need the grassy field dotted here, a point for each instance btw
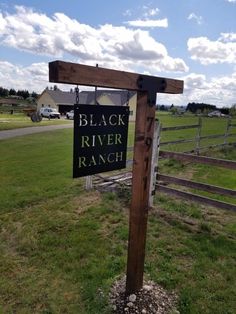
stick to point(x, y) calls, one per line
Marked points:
point(19, 120)
point(61, 247)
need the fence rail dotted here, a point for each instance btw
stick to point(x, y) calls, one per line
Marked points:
point(199, 159)
point(198, 138)
point(195, 185)
point(196, 198)
point(178, 141)
point(181, 127)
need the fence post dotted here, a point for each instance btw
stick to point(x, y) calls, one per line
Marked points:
point(227, 131)
point(88, 183)
point(155, 155)
point(198, 136)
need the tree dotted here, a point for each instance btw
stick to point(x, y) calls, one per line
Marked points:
point(194, 107)
point(206, 111)
point(23, 93)
point(3, 92)
point(12, 92)
point(225, 110)
point(232, 110)
point(34, 95)
point(162, 108)
point(173, 110)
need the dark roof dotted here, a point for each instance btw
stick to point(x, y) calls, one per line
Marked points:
point(118, 97)
point(61, 97)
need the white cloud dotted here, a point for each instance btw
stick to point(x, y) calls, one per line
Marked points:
point(219, 91)
point(233, 1)
point(106, 45)
point(198, 19)
point(148, 23)
point(127, 12)
point(33, 77)
point(228, 37)
point(207, 52)
point(147, 18)
point(151, 12)
point(194, 81)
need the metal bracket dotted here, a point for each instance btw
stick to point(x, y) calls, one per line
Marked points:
point(152, 85)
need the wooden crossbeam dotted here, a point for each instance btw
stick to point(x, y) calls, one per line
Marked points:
point(78, 74)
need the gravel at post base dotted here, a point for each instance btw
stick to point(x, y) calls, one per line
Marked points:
point(152, 298)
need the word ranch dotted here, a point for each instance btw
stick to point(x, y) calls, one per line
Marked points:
point(101, 159)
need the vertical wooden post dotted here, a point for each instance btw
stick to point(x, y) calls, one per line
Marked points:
point(198, 136)
point(227, 131)
point(154, 166)
point(88, 182)
point(144, 128)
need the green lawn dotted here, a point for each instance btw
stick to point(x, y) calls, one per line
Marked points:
point(61, 247)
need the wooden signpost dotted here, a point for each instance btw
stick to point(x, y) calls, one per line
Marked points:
point(146, 87)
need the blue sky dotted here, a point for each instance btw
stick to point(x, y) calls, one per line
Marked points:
point(193, 40)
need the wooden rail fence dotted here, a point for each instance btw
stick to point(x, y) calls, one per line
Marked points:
point(198, 138)
point(162, 181)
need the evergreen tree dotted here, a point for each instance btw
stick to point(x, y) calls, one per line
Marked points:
point(4, 92)
point(12, 92)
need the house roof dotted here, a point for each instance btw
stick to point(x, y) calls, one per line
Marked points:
point(117, 97)
point(61, 97)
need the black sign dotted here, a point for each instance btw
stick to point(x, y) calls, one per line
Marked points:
point(100, 138)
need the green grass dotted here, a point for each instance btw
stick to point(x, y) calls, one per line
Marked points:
point(29, 174)
point(55, 259)
point(19, 120)
point(61, 247)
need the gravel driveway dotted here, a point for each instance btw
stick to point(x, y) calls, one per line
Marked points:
point(31, 130)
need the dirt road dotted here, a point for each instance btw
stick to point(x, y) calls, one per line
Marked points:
point(31, 130)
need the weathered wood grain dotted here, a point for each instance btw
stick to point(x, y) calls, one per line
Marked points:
point(144, 129)
point(78, 74)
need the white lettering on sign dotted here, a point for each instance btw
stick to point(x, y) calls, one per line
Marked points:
point(100, 140)
point(112, 120)
point(100, 159)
